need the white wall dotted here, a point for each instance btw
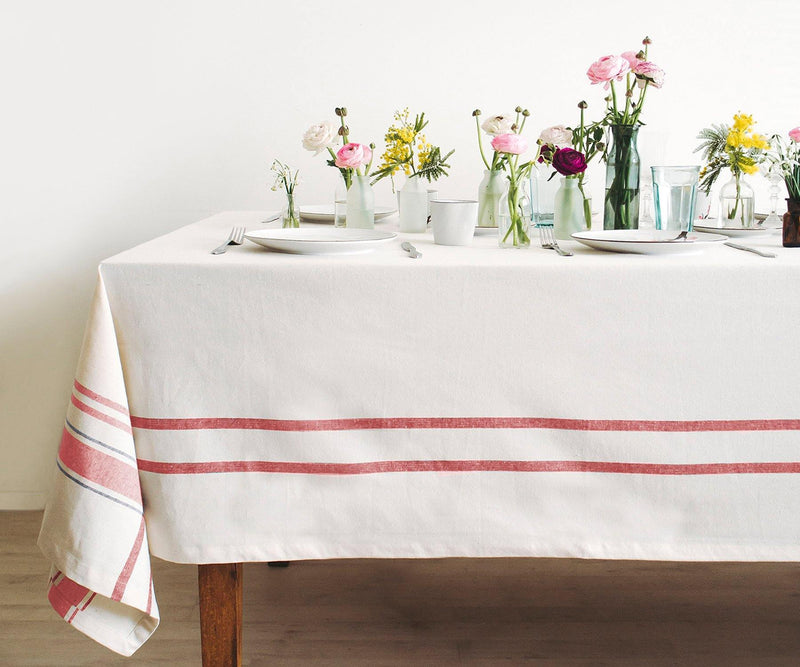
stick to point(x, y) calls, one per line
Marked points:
point(120, 121)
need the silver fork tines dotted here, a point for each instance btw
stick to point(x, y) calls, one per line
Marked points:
point(547, 238)
point(234, 238)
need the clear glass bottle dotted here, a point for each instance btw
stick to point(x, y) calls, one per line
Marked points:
point(360, 204)
point(412, 202)
point(737, 203)
point(340, 203)
point(543, 187)
point(568, 215)
point(490, 191)
point(514, 221)
point(291, 213)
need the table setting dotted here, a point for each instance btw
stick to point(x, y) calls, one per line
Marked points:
point(515, 374)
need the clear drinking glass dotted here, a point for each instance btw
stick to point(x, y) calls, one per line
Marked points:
point(675, 196)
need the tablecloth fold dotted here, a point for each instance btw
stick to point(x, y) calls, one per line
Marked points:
point(94, 531)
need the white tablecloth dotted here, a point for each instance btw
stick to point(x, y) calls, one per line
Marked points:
point(478, 401)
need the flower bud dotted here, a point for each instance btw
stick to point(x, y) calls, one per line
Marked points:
point(342, 131)
point(514, 127)
point(518, 109)
point(337, 111)
point(641, 56)
point(608, 98)
point(477, 112)
point(647, 41)
point(526, 113)
point(582, 105)
point(344, 111)
point(600, 146)
point(628, 93)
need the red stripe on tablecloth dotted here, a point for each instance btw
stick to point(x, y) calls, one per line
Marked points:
point(149, 598)
point(372, 467)
point(127, 569)
point(67, 595)
point(99, 415)
point(158, 424)
point(101, 399)
point(99, 468)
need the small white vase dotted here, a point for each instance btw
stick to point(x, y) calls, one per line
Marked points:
point(340, 203)
point(490, 191)
point(360, 204)
point(568, 213)
point(412, 202)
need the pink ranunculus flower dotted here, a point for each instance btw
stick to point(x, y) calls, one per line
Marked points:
point(515, 144)
point(353, 156)
point(647, 71)
point(630, 56)
point(794, 135)
point(607, 69)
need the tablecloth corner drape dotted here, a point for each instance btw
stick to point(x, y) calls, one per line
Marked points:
point(94, 532)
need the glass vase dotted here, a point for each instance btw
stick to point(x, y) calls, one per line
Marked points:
point(791, 224)
point(543, 187)
point(340, 203)
point(514, 221)
point(360, 204)
point(291, 213)
point(412, 203)
point(489, 193)
point(737, 203)
point(622, 179)
point(568, 215)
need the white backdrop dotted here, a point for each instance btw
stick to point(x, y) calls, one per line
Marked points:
point(121, 121)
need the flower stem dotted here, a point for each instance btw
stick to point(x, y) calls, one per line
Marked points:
point(480, 145)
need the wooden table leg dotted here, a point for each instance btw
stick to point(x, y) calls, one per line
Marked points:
point(221, 614)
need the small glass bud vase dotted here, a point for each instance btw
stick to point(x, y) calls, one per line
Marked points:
point(543, 188)
point(291, 214)
point(737, 203)
point(412, 202)
point(514, 221)
point(569, 215)
point(490, 191)
point(360, 204)
point(340, 203)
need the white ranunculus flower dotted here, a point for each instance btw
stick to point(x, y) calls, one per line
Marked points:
point(495, 125)
point(558, 135)
point(320, 136)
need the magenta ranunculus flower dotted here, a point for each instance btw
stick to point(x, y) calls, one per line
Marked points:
point(794, 135)
point(568, 162)
point(647, 71)
point(608, 68)
point(353, 156)
point(510, 143)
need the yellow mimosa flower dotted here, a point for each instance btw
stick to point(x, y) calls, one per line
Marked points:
point(742, 122)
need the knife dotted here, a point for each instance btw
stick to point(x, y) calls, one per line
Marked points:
point(410, 249)
point(753, 250)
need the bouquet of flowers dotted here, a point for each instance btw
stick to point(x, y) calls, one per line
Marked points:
point(508, 144)
point(569, 152)
point(350, 158)
point(623, 118)
point(639, 74)
point(786, 158)
point(403, 138)
point(739, 149)
point(288, 180)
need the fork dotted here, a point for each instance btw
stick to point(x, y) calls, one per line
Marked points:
point(234, 238)
point(547, 238)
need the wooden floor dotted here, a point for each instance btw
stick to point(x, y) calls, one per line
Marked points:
point(437, 612)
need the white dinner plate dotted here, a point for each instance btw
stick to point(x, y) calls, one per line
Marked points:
point(647, 241)
point(325, 213)
point(738, 231)
point(304, 241)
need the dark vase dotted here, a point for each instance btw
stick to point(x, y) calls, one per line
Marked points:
point(622, 179)
point(791, 224)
